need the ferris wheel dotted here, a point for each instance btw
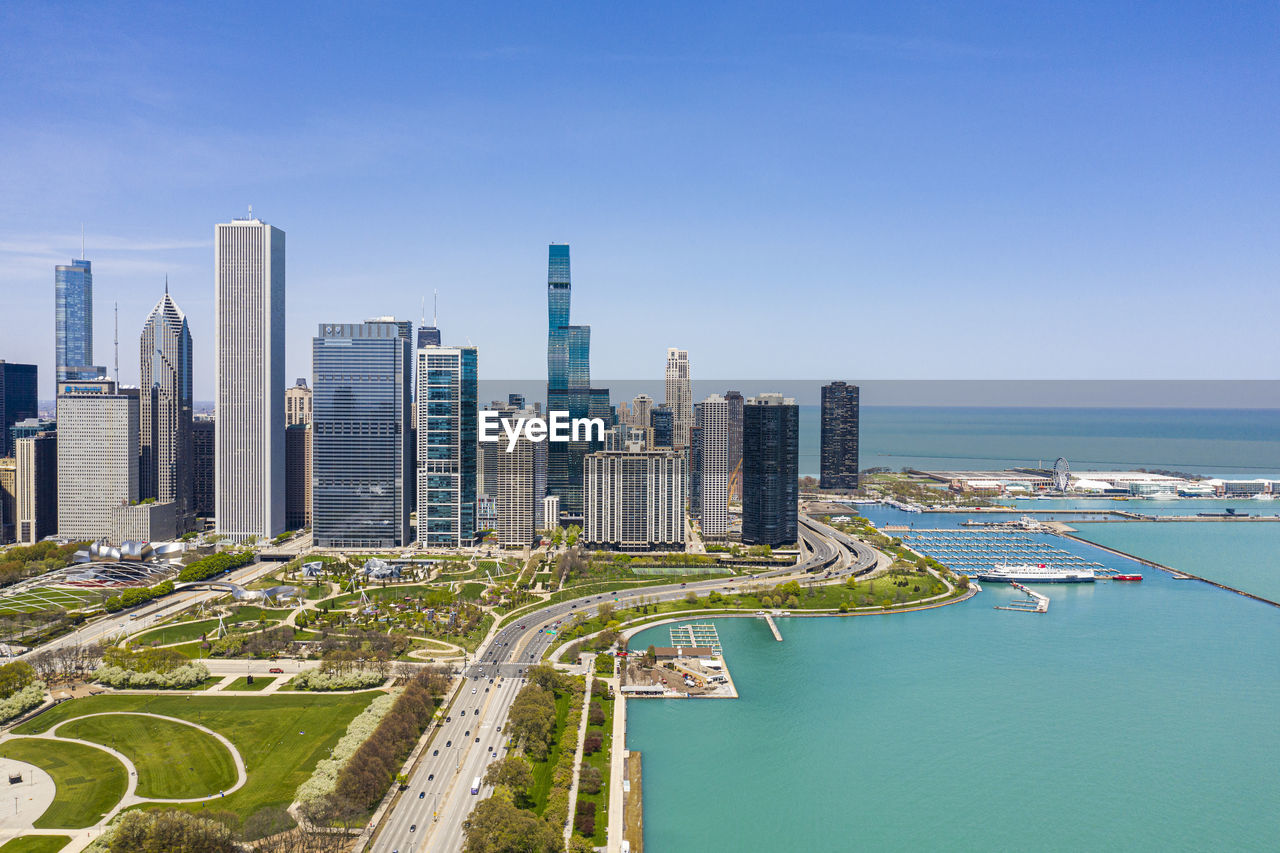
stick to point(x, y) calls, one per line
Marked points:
point(1061, 474)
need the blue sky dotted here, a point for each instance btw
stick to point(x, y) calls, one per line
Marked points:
point(917, 190)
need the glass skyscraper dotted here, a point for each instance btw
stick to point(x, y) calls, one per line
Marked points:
point(770, 470)
point(568, 385)
point(73, 321)
point(165, 409)
point(447, 421)
point(839, 436)
point(17, 400)
point(360, 445)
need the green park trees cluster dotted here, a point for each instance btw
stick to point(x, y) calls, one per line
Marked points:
point(136, 595)
point(366, 777)
point(170, 832)
point(497, 825)
point(214, 564)
point(31, 560)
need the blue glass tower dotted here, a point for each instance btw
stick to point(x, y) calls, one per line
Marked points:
point(360, 447)
point(73, 321)
point(447, 430)
point(568, 385)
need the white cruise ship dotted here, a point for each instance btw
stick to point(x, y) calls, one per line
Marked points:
point(1037, 573)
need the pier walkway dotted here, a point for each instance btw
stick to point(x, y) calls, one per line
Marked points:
point(768, 618)
point(1035, 602)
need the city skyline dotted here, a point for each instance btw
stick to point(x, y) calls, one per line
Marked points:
point(977, 169)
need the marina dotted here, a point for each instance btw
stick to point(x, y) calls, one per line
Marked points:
point(975, 551)
point(1035, 602)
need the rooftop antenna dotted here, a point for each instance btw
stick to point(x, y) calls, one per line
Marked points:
point(166, 284)
point(424, 312)
point(435, 308)
point(251, 211)
point(82, 241)
point(117, 310)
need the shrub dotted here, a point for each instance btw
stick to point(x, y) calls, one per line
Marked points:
point(314, 679)
point(22, 701)
point(591, 744)
point(214, 564)
point(183, 678)
point(585, 819)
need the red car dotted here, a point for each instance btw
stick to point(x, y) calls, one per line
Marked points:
point(275, 670)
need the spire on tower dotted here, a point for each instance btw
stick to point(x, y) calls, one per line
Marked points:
point(435, 307)
point(166, 284)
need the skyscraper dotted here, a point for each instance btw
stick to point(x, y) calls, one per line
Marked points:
point(360, 447)
point(297, 404)
point(203, 453)
point(734, 464)
point(770, 470)
point(568, 383)
point(663, 422)
point(97, 456)
point(73, 322)
point(640, 408)
point(680, 395)
point(447, 431)
point(713, 421)
point(634, 500)
point(249, 366)
point(18, 399)
point(695, 466)
point(164, 411)
point(36, 506)
point(8, 499)
point(297, 476)
point(512, 486)
point(839, 436)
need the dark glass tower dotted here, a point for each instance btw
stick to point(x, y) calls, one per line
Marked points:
point(203, 444)
point(568, 384)
point(73, 321)
point(734, 399)
point(360, 446)
point(17, 401)
point(839, 436)
point(663, 422)
point(770, 470)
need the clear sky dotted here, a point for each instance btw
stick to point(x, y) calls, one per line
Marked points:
point(915, 190)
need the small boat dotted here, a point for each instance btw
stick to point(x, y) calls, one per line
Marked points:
point(1126, 577)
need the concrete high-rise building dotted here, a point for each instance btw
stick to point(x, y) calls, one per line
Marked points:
point(165, 409)
point(713, 420)
point(635, 500)
point(73, 322)
point(36, 504)
point(18, 399)
point(203, 453)
point(448, 418)
point(360, 446)
point(680, 395)
point(568, 383)
point(297, 404)
point(770, 470)
point(550, 511)
point(641, 405)
point(249, 378)
point(695, 467)
point(8, 499)
point(663, 422)
point(512, 486)
point(97, 456)
point(734, 400)
point(297, 476)
point(839, 462)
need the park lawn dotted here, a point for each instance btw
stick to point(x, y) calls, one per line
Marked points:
point(280, 737)
point(472, 591)
point(89, 781)
point(174, 760)
point(543, 770)
point(600, 760)
point(242, 683)
point(35, 844)
point(433, 596)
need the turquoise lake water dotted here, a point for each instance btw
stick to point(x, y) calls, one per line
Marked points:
point(1130, 716)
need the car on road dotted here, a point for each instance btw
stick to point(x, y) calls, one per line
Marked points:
point(477, 740)
point(413, 828)
point(275, 670)
point(467, 733)
point(473, 690)
point(430, 776)
point(448, 744)
point(421, 794)
point(434, 753)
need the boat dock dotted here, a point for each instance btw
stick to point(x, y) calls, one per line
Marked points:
point(768, 618)
point(970, 551)
point(1035, 602)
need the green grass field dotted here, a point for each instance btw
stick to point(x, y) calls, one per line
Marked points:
point(280, 736)
point(183, 632)
point(89, 781)
point(174, 761)
point(35, 844)
point(242, 683)
point(542, 770)
point(38, 600)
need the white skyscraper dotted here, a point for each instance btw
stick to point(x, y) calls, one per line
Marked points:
point(713, 418)
point(249, 366)
point(97, 456)
point(679, 395)
point(633, 500)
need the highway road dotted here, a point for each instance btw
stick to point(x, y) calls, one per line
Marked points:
point(444, 779)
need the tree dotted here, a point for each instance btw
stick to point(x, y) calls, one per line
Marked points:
point(170, 832)
point(512, 772)
point(650, 656)
point(497, 826)
point(590, 779)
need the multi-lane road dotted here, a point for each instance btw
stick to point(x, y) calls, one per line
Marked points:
point(430, 814)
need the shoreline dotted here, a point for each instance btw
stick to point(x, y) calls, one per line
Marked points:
point(1179, 574)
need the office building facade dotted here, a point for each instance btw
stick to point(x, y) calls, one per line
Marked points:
point(679, 395)
point(297, 404)
point(8, 499)
point(662, 421)
point(165, 409)
point(73, 322)
point(203, 453)
point(18, 399)
point(839, 448)
point(36, 503)
point(712, 421)
point(770, 470)
point(360, 454)
point(513, 488)
point(635, 500)
point(734, 402)
point(297, 476)
point(447, 425)
point(249, 305)
point(97, 456)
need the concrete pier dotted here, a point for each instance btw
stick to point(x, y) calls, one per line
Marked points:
point(777, 635)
